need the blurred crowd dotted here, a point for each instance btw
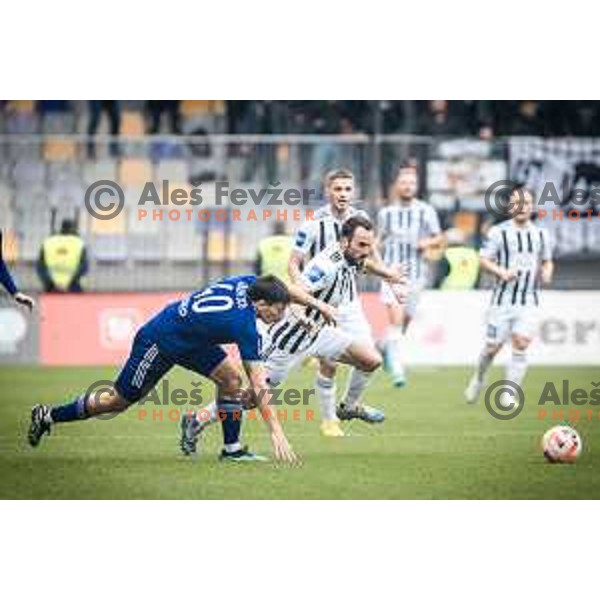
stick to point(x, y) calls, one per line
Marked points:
point(453, 118)
point(485, 119)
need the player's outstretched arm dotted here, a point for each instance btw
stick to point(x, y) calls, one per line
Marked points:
point(295, 266)
point(432, 241)
point(490, 266)
point(396, 274)
point(9, 284)
point(300, 296)
point(262, 392)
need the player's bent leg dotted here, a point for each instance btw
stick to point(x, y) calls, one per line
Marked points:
point(228, 379)
point(81, 408)
point(365, 359)
point(516, 368)
point(394, 364)
point(478, 379)
point(144, 367)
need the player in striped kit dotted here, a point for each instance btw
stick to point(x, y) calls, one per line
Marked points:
point(312, 238)
point(331, 277)
point(408, 228)
point(519, 254)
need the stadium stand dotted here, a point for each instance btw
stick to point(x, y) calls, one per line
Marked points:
point(45, 171)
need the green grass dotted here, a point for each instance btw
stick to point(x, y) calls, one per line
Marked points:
point(431, 446)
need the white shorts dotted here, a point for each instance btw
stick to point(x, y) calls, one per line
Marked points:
point(502, 321)
point(352, 321)
point(412, 299)
point(330, 344)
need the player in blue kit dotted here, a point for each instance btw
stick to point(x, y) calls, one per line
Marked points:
point(9, 284)
point(190, 333)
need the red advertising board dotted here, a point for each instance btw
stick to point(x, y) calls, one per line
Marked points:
point(93, 329)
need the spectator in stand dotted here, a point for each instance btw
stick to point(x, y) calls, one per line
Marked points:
point(113, 112)
point(528, 120)
point(263, 117)
point(582, 118)
point(438, 121)
point(10, 286)
point(155, 110)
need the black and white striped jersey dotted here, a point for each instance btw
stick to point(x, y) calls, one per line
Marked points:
point(328, 277)
point(325, 229)
point(400, 227)
point(521, 249)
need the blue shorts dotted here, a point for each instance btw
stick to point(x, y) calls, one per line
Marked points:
point(147, 365)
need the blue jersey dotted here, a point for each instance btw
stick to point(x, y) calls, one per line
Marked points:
point(5, 278)
point(220, 313)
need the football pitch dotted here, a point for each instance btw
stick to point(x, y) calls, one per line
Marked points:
point(431, 445)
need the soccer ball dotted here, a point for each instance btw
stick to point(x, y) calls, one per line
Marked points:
point(561, 444)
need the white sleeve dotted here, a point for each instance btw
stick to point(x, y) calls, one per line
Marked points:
point(305, 237)
point(432, 221)
point(317, 274)
point(382, 222)
point(491, 246)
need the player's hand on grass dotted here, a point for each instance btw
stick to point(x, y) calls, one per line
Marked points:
point(281, 448)
point(24, 300)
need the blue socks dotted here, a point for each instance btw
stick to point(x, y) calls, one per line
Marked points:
point(230, 414)
point(73, 411)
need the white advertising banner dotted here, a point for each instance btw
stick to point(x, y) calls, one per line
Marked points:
point(449, 329)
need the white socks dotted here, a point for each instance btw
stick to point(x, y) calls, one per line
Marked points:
point(206, 415)
point(515, 370)
point(485, 360)
point(516, 366)
point(393, 348)
point(325, 388)
point(357, 383)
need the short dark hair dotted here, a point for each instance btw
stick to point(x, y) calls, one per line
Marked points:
point(353, 223)
point(338, 174)
point(270, 289)
point(68, 226)
point(521, 188)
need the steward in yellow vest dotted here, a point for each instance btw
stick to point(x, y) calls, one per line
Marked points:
point(274, 253)
point(463, 268)
point(459, 267)
point(63, 260)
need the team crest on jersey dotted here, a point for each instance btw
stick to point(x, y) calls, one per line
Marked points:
point(314, 274)
point(300, 238)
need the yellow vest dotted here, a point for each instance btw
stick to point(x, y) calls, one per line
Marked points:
point(62, 254)
point(464, 269)
point(274, 253)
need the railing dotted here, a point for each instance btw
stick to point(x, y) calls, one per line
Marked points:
point(44, 179)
